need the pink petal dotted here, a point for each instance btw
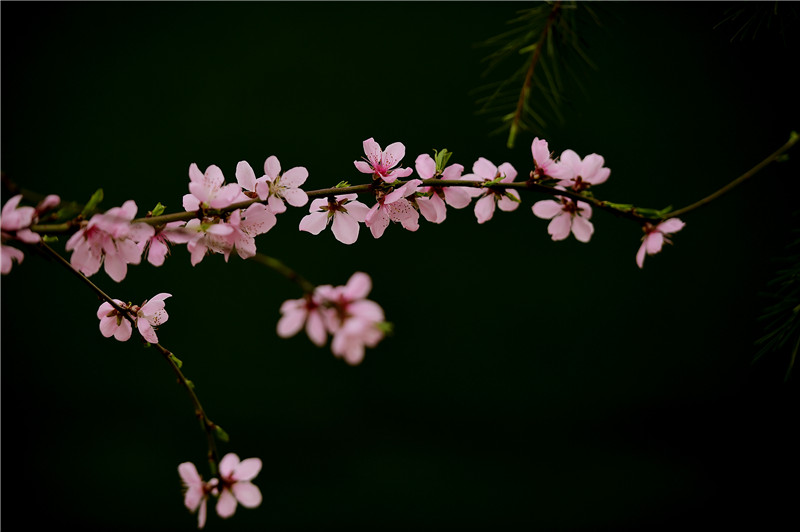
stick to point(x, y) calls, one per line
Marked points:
point(228, 464)
point(247, 469)
point(189, 475)
point(437, 211)
point(357, 210)
point(393, 154)
point(226, 505)
point(640, 255)
point(484, 208)
point(295, 197)
point(673, 225)
point(654, 241)
point(582, 228)
point(272, 167)
point(585, 209)
point(508, 171)
point(315, 329)
point(294, 177)
point(457, 197)
point(201, 515)
point(108, 325)
point(507, 204)
point(190, 203)
point(247, 494)
point(366, 309)
point(345, 228)
point(314, 223)
point(318, 204)
point(225, 196)
point(373, 151)
point(358, 286)
point(379, 223)
point(540, 151)
point(10, 253)
point(547, 209)
point(146, 330)
point(291, 322)
point(276, 205)
point(124, 331)
point(452, 172)
point(426, 166)
point(484, 169)
point(559, 226)
point(245, 176)
point(363, 167)
point(115, 267)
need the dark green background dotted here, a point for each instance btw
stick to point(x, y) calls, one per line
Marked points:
point(529, 382)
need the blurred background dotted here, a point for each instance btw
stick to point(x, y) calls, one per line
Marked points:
point(528, 382)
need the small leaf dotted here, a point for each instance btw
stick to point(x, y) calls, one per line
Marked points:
point(342, 184)
point(177, 361)
point(221, 434)
point(48, 239)
point(158, 210)
point(441, 159)
point(91, 205)
point(386, 327)
point(512, 197)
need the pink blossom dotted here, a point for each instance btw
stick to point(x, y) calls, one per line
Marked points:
point(432, 206)
point(352, 319)
point(109, 239)
point(304, 311)
point(345, 212)
point(246, 178)
point(113, 322)
point(156, 248)
point(15, 224)
point(484, 170)
point(279, 187)
point(381, 163)
point(246, 225)
point(579, 174)
point(566, 215)
point(543, 163)
point(394, 207)
point(151, 314)
point(118, 324)
point(235, 477)
point(209, 190)
point(210, 236)
point(656, 236)
point(197, 491)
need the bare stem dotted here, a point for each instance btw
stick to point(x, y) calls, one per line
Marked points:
point(793, 137)
point(284, 270)
point(208, 426)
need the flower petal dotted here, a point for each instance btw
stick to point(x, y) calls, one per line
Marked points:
point(314, 223)
point(247, 469)
point(559, 226)
point(582, 228)
point(247, 494)
point(484, 208)
point(345, 228)
point(226, 505)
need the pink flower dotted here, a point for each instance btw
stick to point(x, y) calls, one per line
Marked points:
point(109, 239)
point(235, 477)
point(156, 248)
point(432, 207)
point(208, 190)
point(352, 319)
point(209, 237)
point(543, 164)
point(394, 207)
point(656, 236)
point(151, 314)
point(566, 215)
point(246, 225)
point(117, 324)
point(113, 323)
point(345, 212)
point(14, 225)
point(381, 163)
point(197, 491)
point(304, 311)
point(279, 187)
point(246, 178)
point(579, 174)
point(484, 170)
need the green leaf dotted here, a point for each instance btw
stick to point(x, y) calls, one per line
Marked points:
point(342, 184)
point(158, 210)
point(386, 327)
point(177, 361)
point(441, 159)
point(512, 197)
point(91, 205)
point(221, 434)
point(48, 239)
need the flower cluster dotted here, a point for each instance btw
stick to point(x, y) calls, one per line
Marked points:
point(15, 222)
point(342, 311)
point(233, 487)
point(118, 324)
